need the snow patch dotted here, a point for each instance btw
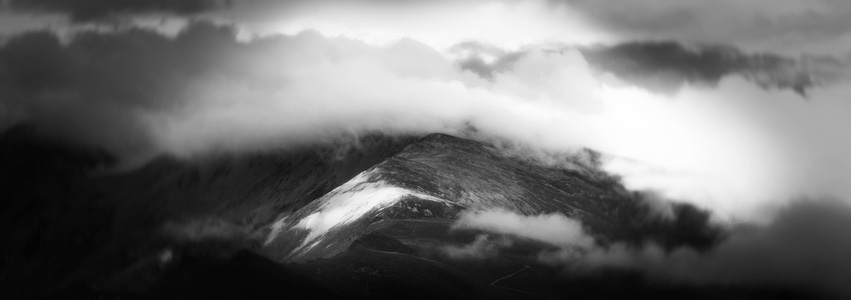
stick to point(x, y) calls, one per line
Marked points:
point(352, 201)
point(276, 229)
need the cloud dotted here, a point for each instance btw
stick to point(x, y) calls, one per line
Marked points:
point(484, 60)
point(734, 148)
point(74, 89)
point(484, 246)
point(666, 66)
point(550, 228)
point(788, 26)
point(100, 10)
point(507, 24)
point(804, 248)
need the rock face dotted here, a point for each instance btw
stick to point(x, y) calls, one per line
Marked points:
point(440, 175)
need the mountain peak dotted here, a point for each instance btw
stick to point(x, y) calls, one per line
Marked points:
point(440, 175)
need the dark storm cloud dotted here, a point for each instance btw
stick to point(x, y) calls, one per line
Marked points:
point(96, 10)
point(788, 26)
point(667, 66)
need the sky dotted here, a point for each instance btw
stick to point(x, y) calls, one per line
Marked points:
point(737, 107)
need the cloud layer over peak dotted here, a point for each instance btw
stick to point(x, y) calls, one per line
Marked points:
point(733, 147)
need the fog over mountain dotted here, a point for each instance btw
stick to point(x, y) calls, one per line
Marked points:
point(541, 148)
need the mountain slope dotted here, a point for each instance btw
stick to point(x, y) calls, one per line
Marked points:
point(441, 175)
point(342, 220)
point(68, 221)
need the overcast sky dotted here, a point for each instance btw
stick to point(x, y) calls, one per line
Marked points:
point(143, 78)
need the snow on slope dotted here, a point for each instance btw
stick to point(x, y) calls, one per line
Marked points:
point(346, 204)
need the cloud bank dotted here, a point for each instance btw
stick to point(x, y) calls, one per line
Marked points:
point(734, 148)
point(484, 246)
point(550, 228)
point(804, 248)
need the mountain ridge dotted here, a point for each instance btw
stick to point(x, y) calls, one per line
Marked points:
point(133, 232)
point(449, 174)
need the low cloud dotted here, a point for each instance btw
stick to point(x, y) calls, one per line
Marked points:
point(804, 248)
point(553, 228)
point(484, 246)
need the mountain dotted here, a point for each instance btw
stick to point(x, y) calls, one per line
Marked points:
point(368, 217)
point(440, 175)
